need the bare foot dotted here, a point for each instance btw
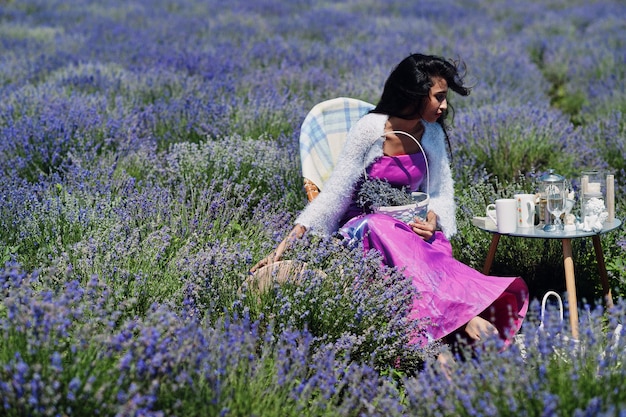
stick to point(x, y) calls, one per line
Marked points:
point(478, 328)
point(446, 363)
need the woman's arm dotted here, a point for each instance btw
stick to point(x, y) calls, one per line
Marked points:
point(363, 144)
point(296, 233)
point(321, 216)
point(441, 182)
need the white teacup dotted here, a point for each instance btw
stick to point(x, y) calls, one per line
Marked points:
point(505, 216)
point(525, 204)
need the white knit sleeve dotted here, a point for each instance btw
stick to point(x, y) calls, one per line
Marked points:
point(441, 183)
point(322, 215)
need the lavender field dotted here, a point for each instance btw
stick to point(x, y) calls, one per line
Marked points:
point(149, 158)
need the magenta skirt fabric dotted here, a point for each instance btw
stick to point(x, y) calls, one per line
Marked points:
point(450, 293)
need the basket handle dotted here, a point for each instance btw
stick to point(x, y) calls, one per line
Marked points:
point(423, 151)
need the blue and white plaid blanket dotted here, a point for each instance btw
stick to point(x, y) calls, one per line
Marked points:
point(323, 135)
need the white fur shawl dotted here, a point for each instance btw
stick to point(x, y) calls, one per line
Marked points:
point(364, 144)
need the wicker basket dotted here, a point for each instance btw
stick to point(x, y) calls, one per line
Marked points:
point(408, 212)
point(280, 272)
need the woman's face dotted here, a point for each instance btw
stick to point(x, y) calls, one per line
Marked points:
point(437, 102)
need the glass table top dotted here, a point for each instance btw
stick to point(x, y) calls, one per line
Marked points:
point(538, 232)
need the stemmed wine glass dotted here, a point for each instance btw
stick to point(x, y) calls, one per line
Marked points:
point(555, 200)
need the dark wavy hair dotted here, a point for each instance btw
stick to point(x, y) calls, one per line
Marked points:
point(407, 87)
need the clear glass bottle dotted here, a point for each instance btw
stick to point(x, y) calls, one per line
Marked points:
point(552, 185)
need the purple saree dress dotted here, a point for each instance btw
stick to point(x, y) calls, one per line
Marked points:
point(450, 293)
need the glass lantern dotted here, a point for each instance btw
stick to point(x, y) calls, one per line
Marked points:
point(592, 185)
point(554, 190)
point(593, 210)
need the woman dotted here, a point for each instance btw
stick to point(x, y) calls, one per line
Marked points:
point(453, 298)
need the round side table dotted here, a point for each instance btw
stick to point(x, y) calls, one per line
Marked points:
point(568, 263)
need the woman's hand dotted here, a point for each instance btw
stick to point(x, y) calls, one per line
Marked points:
point(277, 254)
point(425, 229)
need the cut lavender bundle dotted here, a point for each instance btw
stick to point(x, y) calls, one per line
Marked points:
point(376, 193)
point(380, 196)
